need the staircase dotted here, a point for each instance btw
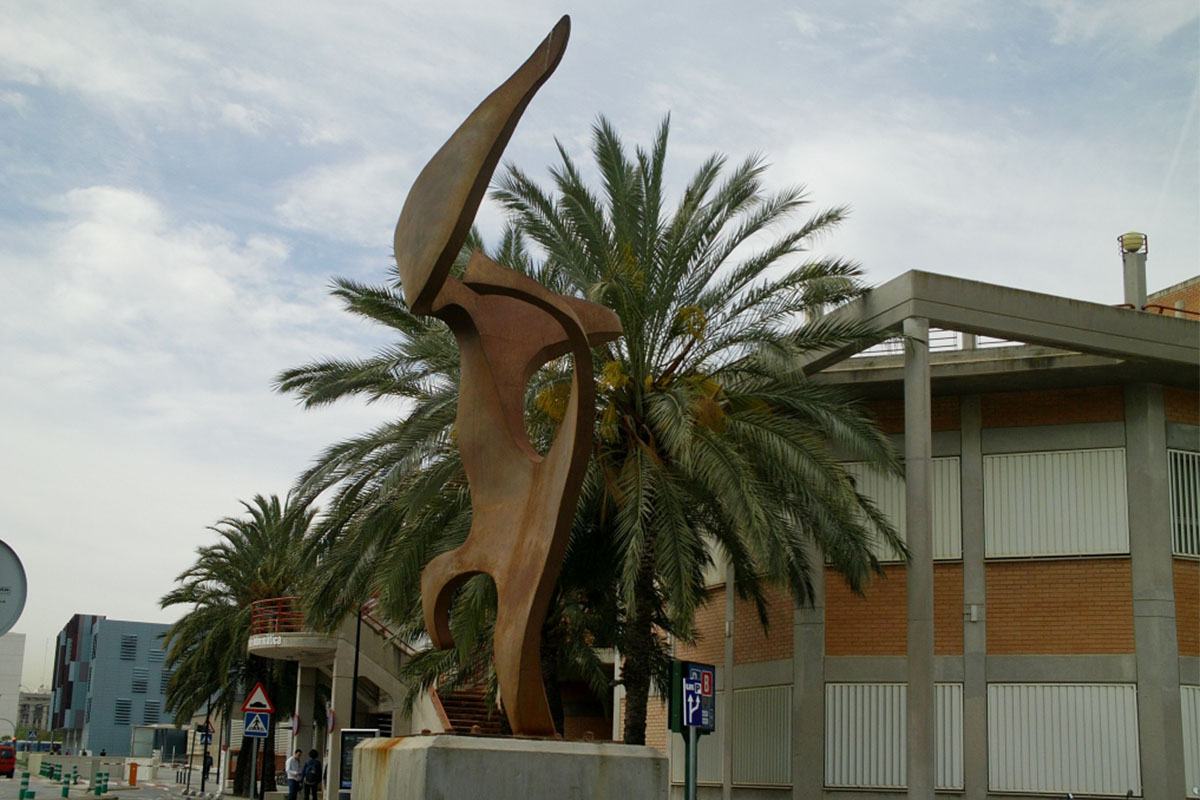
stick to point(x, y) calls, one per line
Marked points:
point(468, 712)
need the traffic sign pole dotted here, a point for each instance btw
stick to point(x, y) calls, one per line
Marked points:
point(254, 769)
point(692, 764)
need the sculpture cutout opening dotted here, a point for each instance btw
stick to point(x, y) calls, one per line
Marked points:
point(507, 327)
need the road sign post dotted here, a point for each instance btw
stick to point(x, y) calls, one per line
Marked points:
point(258, 711)
point(693, 712)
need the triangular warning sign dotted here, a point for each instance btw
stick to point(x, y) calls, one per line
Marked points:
point(257, 724)
point(258, 701)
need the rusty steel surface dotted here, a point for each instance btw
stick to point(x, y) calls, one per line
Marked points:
point(507, 326)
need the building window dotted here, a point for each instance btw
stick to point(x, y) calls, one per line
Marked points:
point(166, 681)
point(1184, 471)
point(157, 656)
point(866, 741)
point(94, 637)
point(129, 646)
point(151, 712)
point(1062, 737)
point(123, 712)
point(1064, 502)
point(141, 680)
point(87, 711)
point(761, 726)
point(888, 493)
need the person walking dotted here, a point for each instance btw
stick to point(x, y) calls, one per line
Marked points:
point(310, 775)
point(293, 768)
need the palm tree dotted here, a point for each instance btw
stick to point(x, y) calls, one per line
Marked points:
point(710, 439)
point(258, 557)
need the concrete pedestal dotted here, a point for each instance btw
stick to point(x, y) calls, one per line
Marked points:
point(447, 767)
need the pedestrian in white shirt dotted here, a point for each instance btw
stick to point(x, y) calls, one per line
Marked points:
point(292, 768)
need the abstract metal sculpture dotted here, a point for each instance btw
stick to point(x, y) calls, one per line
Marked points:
point(507, 326)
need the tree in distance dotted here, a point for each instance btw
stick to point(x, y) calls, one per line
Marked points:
point(711, 442)
point(258, 557)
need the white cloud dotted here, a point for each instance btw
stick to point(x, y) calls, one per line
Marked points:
point(1146, 22)
point(14, 100)
point(356, 201)
point(138, 351)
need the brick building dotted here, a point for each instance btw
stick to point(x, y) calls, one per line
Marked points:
point(1045, 636)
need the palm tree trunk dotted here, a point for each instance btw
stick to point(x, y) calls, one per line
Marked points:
point(640, 647)
point(241, 773)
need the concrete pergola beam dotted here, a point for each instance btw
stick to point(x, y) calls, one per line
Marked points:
point(1019, 315)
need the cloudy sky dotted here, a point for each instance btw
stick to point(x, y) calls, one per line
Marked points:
point(179, 181)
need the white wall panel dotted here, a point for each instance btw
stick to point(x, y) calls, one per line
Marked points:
point(762, 736)
point(283, 737)
point(888, 493)
point(865, 744)
point(1055, 503)
point(1190, 698)
point(1184, 471)
point(1080, 738)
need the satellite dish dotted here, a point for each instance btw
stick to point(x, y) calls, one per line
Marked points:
point(13, 588)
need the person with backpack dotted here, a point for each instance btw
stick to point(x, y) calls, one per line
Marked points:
point(310, 775)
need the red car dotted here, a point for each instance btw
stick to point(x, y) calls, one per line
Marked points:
point(8, 759)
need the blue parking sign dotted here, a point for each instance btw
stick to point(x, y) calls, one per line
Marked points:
point(699, 699)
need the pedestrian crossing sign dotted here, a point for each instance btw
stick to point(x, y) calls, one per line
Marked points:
point(256, 724)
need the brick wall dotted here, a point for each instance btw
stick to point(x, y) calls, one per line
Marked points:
point(1065, 607)
point(1188, 292)
point(656, 722)
point(1187, 606)
point(750, 643)
point(889, 414)
point(877, 624)
point(1182, 405)
point(1057, 407)
point(710, 629)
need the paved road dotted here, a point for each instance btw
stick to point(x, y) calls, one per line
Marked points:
point(46, 790)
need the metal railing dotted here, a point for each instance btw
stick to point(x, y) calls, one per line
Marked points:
point(277, 615)
point(286, 615)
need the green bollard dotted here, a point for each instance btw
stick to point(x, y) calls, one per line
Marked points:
point(24, 786)
point(66, 790)
point(96, 783)
point(75, 774)
point(105, 789)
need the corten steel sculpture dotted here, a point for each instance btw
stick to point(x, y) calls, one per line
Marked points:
point(507, 326)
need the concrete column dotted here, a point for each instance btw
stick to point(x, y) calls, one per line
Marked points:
point(918, 455)
point(1160, 727)
point(975, 775)
point(341, 687)
point(808, 688)
point(306, 687)
point(727, 737)
point(1134, 265)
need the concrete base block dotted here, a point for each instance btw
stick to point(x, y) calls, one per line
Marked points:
point(447, 767)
